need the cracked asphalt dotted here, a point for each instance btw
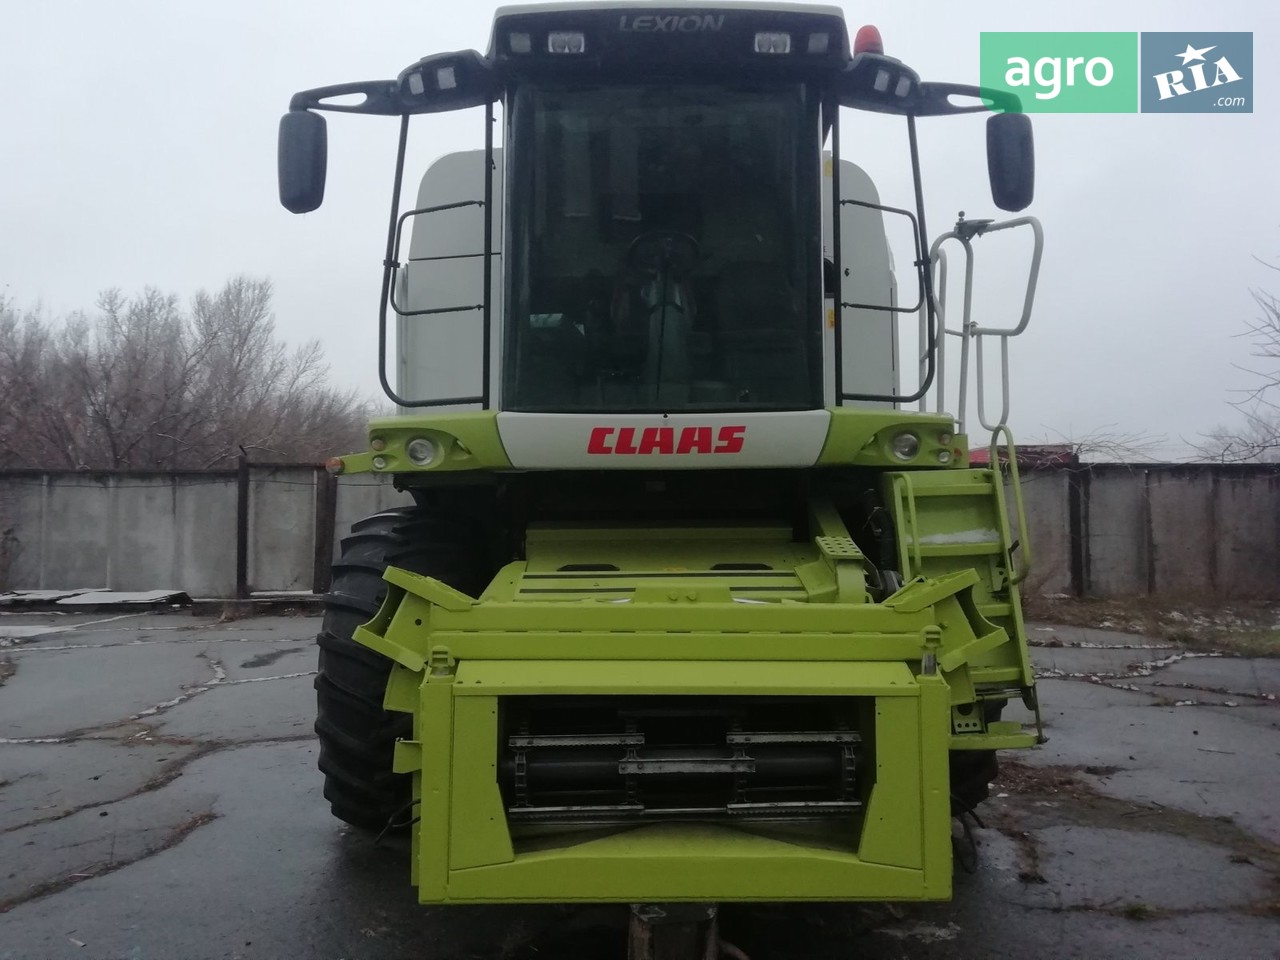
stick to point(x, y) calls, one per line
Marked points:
point(159, 798)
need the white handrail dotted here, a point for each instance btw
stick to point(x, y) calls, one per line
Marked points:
point(963, 233)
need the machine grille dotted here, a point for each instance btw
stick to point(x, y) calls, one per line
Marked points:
point(601, 759)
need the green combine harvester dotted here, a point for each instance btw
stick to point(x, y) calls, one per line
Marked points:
point(695, 602)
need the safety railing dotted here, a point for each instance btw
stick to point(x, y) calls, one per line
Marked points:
point(391, 267)
point(970, 332)
point(396, 266)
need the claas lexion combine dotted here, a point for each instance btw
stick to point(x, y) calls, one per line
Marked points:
point(695, 603)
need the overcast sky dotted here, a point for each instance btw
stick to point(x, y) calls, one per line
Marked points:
point(139, 149)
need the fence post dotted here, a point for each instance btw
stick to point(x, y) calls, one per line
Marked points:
point(242, 528)
point(1078, 526)
point(1149, 531)
point(326, 522)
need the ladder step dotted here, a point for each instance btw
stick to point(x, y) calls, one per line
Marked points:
point(989, 548)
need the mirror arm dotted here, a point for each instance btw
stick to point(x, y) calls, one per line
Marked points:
point(381, 98)
point(935, 100)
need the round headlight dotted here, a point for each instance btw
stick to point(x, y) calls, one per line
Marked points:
point(421, 451)
point(905, 445)
point(379, 463)
point(944, 456)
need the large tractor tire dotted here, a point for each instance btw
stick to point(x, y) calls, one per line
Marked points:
point(357, 737)
point(971, 774)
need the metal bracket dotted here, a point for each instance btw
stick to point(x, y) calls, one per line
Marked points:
point(441, 665)
point(674, 931)
point(430, 589)
point(932, 643)
point(407, 757)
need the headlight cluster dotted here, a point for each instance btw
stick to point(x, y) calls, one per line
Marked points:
point(413, 452)
point(906, 446)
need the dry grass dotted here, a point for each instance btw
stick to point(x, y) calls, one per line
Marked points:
point(1245, 628)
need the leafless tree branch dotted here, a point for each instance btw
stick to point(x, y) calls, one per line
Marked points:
point(143, 383)
point(1258, 437)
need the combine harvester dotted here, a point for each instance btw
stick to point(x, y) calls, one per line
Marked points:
point(695, 603)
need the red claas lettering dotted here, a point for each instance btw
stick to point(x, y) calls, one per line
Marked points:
point(665, 440)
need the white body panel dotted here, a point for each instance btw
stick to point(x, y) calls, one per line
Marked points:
point(439, 355)
point(869, 338)
point(613, 441)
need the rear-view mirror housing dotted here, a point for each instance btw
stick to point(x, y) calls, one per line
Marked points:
point(1011, 162)
point(302, 158)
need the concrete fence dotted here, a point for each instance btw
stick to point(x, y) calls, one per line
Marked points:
point(1187, 530)
point(1101, 530)
point(209, 533)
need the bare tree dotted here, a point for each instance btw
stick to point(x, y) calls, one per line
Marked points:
point(1107, 444)
point(1258, 438)
point(141, 383)
point(1256, 441)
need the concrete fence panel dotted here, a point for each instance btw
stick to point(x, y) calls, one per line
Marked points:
point(171, 531)
point(1114, 520)
point(1181, 531)
point(282, 527)
point(1246, 550)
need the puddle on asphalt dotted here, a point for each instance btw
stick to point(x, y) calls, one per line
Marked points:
point(266, 659)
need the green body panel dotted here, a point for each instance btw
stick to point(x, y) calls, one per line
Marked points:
point(463, 849)
point(466, 441)
point(860, 437)
point(652, 612)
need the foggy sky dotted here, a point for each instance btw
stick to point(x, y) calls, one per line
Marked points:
point(139, 149)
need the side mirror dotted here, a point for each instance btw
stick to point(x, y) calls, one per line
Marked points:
point(301, 160)
point(1011, 160)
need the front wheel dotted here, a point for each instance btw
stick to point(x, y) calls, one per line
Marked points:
point(357, 736)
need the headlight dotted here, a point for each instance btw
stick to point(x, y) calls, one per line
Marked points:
point(421, 451)
point(566, 41)
point(773, 42)
point(905, 445)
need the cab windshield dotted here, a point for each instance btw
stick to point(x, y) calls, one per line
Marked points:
point(666, 249)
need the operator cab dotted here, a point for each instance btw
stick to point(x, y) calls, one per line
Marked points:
point(660, 219)
point(672, 235)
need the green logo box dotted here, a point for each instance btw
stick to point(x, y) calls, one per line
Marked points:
point(1064, 72)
